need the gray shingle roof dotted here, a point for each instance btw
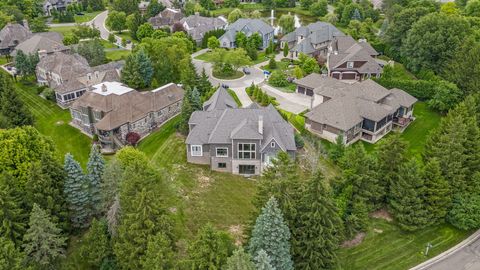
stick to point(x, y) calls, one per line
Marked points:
point(48, 42)
point(220, 100)
point(347, 49)
point(197, 25)
point(13, 34)
point(314, 33)
point(254, 25)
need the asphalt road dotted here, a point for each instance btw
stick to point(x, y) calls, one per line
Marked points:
point(467, 258)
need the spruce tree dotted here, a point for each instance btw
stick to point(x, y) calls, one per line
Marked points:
point(196, 100)
point(272, 235)
point(203, 84)
point(159, 254)
point(95, 244)
point(11, 107)
point(43, 241)
point(316, 236)
point(187, 110)
point(437, 191)
point(407, 198)
point(76, 191)
point(468, 109)
point(110, 183)
point(10, 257)
point(240, 260)
point(145, 68)
point(263, 261)
point(12, 215)
point(95, 170)
point(210, 249)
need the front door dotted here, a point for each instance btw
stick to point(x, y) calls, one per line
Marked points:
point(246, 169)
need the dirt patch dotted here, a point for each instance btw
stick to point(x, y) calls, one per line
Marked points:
point(204, 181)
point(236, 231)
point(382, 214)
point(355, 241)
point(172, 210)
point(377, 230)
point(58, 123)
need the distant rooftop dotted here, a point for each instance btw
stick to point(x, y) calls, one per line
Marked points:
point(108, 88)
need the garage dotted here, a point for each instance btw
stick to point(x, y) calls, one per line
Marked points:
point(300, 90)
point(348, 76)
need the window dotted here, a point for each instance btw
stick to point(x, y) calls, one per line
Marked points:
point(272, 144)
point(349, 64)
point(246, 169)
point(222, 165)
point(196, 150)
point(222, 152)
point(246, 150)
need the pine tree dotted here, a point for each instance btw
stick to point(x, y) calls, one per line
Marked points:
point(10, 257)
point(315, 237)
point(95, 170)
point(159, 254)
point(263, 261)
point(271, 234)
point(145, 68)
point(195, 100)
point(210, 249)
point(240, 260)
point(407, 203)
point(11, 107)
point(204, 86)
point(12, 215)
point(95, 244)
point(76, 191)
point(468, 109)
point(187, 110)
point(43, 242)
point(437, 191)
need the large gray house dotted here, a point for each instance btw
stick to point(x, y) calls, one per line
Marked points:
point(196, 25)
point(247, 26)
point(237, 140)
point(11, 35)
point(358, 111)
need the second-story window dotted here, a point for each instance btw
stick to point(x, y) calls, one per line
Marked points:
point(246, 151)
point(349, 64)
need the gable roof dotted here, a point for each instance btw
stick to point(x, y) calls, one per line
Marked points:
point(220, 100)
point(253, 25)
point(167, 17)
point(48, 42)
point(13, 34)
point(346, 49)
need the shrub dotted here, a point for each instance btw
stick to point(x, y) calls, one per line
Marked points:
point(132, 138)
point(272, 64)
point(111, 38)
point(299, 142)
point(95, 138)
point(49, 94)
point(278, 78)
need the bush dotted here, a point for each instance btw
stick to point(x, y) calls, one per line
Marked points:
point(272, 64)
point(132, 138)
point(40, 89)
point(278, 78)
point(299, 142)
point(95, 138)
point(49, 94)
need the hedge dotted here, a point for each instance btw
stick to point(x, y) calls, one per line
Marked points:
point(421, 89)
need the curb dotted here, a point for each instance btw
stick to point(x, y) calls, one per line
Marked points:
point(423, 266)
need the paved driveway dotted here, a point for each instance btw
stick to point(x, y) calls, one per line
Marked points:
point(291, 102)
point(99, 23)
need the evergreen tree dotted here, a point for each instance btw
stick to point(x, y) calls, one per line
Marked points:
point(110, 183)
point(95, 244)
point(286, 50)
point(95, 170)
point(138, 70)
point(338, 149)
point(407, 203)
point(316, 236)
point(11, 107)
point(468, 109)
point(240, 260)
point(465, 211)
point(76, 191)
point(145, 68)
point(196, 100)
point(12, 215)
point(210, 249)
point(203, 84)
point(10, 257)
point(263, 261)
point(22, 63)
point(272, 235)
point(437, 191)
point(159, 254)
point(43, 242)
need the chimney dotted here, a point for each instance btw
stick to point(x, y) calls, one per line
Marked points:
point(260, 124)
point(25, 24)
point(104, 88)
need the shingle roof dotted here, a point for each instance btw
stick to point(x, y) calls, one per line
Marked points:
point(316, 80)
point(48, 42)
point(197, 25)
point(220, 100)
point(254, 25)
point(13, 34)
point(314, 33)
point(346, 49)
point(167, 17)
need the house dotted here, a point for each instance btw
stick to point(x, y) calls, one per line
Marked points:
point(59, 5)
point(358, 111)
point(143, 5)
point(312, 40)
point(112, 110)
point(47, 42)
point(247, 26)
point(237, 140)
point(166, 18)
point(70, 75)
point(196, 25)
point(351, 60)
point(11, 35)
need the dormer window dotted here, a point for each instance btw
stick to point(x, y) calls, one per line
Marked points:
point(349, 64)
point(272, 144)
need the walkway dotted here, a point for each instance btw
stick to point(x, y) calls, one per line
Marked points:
point(464, 256)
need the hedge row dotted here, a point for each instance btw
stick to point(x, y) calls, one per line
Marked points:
point(421, 89)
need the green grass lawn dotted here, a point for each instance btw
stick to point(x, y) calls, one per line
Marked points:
point(386, 247)
point(3, 60)
point(238, 74)
point(417, 132)
point(207, 57)
point(198, 194)
point(126, 36)
point(235, 97)
point(117, 55)
point(53, 122)
point(107, 44)
point(86, 17)
point(63, 29)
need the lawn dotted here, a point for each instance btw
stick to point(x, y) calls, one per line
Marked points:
point(86, 17)
point(63, 29)
point(416, 134)
point(199, 195)
point(107, 44)
point(235, 97)
point(238, 74)
point(116, 55)
point(207, 57)
point(386, 247)
point(53, 122)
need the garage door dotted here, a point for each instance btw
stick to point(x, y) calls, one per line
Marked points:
point(301, 90)
point(309, 92)
point(348, 76)
point(336, 75)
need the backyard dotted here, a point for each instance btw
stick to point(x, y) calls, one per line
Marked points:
point(86, 17)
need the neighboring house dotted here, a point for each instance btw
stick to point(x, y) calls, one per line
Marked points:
point(357, 111)
point(351, 60)
point(112, 110)
point(11, 35)
point(47, 43)
point(70, 75)
point(166, 18)
point(143, 5)
point(247, 26)
point(312, 40)
point(237, 140)
point(196, 25)
point(59, 5)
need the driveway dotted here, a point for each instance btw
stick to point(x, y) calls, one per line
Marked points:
point(290, 102)
point(99, 23)
point(464, 256)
